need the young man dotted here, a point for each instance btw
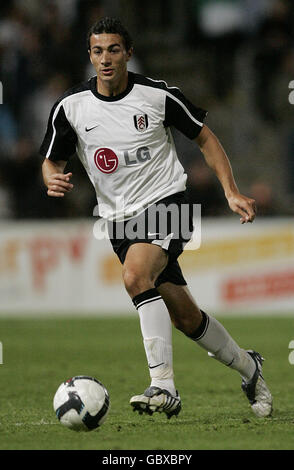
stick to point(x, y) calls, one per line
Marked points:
point(119, 125)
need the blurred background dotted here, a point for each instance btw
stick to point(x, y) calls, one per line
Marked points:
point(234, 58)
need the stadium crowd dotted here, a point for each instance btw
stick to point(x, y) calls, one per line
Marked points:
point(243, 53)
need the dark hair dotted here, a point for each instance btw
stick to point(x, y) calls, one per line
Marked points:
point(110, 26)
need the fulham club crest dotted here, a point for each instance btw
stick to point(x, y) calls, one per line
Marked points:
point(141, 122)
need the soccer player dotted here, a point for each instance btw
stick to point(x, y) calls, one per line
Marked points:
point(119, 123)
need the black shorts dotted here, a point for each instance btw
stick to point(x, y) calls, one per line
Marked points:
point(164, 224)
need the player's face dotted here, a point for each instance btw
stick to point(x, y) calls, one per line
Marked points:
point(109, 57)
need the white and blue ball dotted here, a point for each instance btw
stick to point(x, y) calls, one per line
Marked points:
point(81, 403)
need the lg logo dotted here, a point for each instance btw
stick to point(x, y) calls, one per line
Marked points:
point(291, 355)
point(107, 161)
point(291, 94)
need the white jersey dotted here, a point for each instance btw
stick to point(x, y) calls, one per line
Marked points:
point(124, 142)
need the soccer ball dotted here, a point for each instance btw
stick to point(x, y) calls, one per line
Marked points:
point(81, 403)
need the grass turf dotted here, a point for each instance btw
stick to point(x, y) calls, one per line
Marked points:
point(39, 354)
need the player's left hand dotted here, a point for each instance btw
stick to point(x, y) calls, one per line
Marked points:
point(244, 206)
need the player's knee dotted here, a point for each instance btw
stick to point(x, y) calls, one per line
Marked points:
point(136, 282)
point(187, 323)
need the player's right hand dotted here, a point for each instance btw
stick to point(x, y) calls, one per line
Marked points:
point(58, 184)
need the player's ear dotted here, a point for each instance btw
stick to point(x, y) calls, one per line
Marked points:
point(130, 53)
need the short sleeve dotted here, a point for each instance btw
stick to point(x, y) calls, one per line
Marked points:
point(60, 139)
point(182, 114)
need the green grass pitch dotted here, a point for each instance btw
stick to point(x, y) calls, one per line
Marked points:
point(39, 354)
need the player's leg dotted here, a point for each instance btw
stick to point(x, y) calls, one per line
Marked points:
point(143, 264)
point(204, 329)
point(208, 333)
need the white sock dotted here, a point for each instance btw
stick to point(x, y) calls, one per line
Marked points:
point(213, 337)
point(156, 330)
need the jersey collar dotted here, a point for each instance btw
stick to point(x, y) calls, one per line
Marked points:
point(93, 87)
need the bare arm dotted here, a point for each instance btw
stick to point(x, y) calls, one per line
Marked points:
point(56, 181)
point(218, 161)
